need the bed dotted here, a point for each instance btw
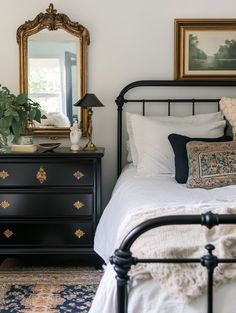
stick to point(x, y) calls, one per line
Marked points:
point(134, 194)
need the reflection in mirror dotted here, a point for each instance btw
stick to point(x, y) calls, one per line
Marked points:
point(53, 70)
point(53, 76)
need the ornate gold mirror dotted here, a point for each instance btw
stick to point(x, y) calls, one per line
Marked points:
point(53, 70)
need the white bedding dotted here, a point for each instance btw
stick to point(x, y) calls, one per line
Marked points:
point(132, 192)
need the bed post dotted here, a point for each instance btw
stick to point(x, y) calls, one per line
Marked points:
point(210, 261)
point(120, 102)
point(122, 261)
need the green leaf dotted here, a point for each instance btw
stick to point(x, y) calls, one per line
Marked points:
point(16, 128)
point(5, 123)
point(22, 98)
point(32, 115)
point(37, 117)
point(11, 112)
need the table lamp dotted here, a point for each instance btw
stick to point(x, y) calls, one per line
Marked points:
point(89, 101)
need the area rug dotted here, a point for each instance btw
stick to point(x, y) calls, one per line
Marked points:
point(48, 290)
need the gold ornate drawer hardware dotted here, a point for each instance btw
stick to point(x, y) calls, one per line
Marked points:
point(4, 204)
point(4, 174)
point(78, 175)
point(79, 233)
point(41, 175)
point(78, 205)
point(8, 233)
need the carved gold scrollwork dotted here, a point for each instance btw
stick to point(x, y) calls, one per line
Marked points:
point(78, 205)
point(4, 204)
point(4, 174)
point(78, 175)
point(8, 233)
point(41, 175)
point(79, 233)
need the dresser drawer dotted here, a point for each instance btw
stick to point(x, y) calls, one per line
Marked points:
point(37, 203)
point(80, 173)
point(46, 234)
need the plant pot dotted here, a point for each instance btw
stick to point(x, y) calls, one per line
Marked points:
point(25, 140)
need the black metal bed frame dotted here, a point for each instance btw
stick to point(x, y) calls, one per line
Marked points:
point(121, 100)
point(122, 258)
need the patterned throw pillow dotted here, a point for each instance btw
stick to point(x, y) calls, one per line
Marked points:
point(211, 165)
point(178, 143)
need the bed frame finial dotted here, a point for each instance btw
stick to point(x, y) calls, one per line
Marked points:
point(209, 219)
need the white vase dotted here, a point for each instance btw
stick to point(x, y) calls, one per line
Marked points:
point(75, 135)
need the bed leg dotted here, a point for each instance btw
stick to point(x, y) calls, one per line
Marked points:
point(210, 261)
point(122, 262)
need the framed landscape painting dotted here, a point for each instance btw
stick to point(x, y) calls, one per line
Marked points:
point(205, 49)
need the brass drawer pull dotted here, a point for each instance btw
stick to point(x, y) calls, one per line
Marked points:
point(79, 233)
point(78, 175)
point(78, 205)
point(41, 175)
point(4, 204)
point(8, 233)
point(4, 174)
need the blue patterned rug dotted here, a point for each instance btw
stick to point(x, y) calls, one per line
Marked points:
point(62, 290)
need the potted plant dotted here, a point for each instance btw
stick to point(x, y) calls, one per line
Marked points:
point(16, 112)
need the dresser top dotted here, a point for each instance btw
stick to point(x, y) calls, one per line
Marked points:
point(58, 152)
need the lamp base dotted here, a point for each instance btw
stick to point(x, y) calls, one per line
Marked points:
point(90, 147)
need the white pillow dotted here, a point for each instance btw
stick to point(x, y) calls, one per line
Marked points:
point(155, 155)
point(193, 119)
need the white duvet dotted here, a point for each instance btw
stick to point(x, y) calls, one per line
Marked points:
point(133, 192)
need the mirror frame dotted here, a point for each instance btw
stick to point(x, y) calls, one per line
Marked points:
point(52, 21)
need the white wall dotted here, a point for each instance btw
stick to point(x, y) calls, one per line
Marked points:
point(130, 40)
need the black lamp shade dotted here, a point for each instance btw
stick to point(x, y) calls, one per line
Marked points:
point(89, 100)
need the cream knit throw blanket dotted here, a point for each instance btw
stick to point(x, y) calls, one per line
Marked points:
point(184, 281)
point(228, 107)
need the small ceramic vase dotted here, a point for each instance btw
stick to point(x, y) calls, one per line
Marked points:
point(75, 135)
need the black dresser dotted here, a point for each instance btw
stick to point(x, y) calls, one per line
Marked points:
point(50, 202)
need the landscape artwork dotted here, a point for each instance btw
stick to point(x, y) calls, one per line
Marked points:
point(210, 52)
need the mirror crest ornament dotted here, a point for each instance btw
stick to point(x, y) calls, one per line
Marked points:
point(52, 21)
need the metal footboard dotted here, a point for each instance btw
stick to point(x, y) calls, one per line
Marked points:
point(123, 259)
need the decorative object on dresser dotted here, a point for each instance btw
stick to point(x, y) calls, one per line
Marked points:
point(75, 135)
point(89, 101)
point(49, 146)
point(24, 144)
point(24, 148)
point(16, 112)
point(50, 203)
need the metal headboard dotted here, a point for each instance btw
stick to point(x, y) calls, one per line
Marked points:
point(121, 100)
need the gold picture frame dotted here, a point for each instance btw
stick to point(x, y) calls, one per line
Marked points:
point(205, 49)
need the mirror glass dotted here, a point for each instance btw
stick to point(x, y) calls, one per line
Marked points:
point(53, 76)
point(53, 70)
